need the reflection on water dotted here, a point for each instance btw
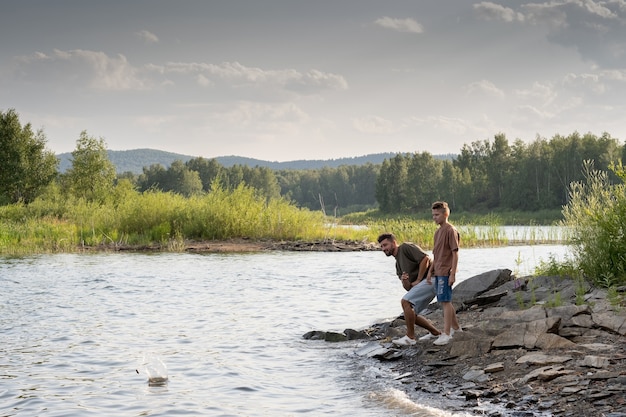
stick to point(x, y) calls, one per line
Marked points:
point(74, 330)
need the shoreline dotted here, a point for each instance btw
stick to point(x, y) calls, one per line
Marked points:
point(537, 359)
point(239, 245)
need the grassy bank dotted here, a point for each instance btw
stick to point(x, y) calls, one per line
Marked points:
point(58, 223)
point(491, 218)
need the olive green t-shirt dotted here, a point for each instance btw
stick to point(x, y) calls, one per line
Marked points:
point(408, 260)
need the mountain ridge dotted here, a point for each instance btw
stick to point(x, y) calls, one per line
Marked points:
point(134, 160)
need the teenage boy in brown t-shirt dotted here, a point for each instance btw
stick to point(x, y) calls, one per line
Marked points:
point(443, 268)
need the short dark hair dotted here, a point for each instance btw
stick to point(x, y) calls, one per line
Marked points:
point(384, 236)
point(441, 205)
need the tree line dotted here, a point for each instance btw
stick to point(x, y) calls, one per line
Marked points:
point(486, 175)
point(489, 175)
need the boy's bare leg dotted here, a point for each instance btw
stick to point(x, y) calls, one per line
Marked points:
point(449, 316)
point(454, 322)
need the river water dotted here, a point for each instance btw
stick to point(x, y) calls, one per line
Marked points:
point(79, 332)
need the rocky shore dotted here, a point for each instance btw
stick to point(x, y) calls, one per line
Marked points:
point(534, 346)
point(240, 245)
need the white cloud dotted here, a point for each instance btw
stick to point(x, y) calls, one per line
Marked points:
point(591, 82)
point(531, 112)
point(204, 81)
point(374, 125)
point(75, 67)
point(154, 124)
point(492, 11)
point(262, 115)
point(238, 74)
point(484, 87)
point(97, 70)
point(544, 92)
point(400, 25)
point(147, 37)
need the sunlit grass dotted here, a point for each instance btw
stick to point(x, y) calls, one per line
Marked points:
point(168, 220)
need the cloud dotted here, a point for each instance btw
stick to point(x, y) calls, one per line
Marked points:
point(374, 125)
point(204, 81)
point(154, 124)
point(400, 25)
point(493, 11)
point(237, 74)
point(77, 68)
point(543, 92)
point(590, 82)
point(596, 29)
point(147, 37)
point(531, 112)
point(484, 87)
point(262, 115)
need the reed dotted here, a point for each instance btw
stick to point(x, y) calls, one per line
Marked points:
point(59, 223)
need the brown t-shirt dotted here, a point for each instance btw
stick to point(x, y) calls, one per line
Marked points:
point(446, 241)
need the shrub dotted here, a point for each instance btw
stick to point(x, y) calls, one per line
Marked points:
point(596, 217)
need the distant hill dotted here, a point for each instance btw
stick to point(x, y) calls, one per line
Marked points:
point(136, 159)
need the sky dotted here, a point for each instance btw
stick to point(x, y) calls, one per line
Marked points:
point(283, 80)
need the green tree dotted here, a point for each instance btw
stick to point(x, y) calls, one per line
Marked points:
point(26, 167)
point(424, 175)
point(92, 175)
point(152, 177)
point(207, 169)
point(391, 186)
point(182, 180)
point(473, 160)
point(454, 185)
point(178, 178)
point(497, 168)
point(263, 180)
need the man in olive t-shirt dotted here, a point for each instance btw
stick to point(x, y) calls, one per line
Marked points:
point(412, 265)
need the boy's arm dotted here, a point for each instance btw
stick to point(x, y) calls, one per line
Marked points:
point(455, 263)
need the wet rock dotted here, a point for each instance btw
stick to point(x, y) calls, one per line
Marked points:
point(355, 334)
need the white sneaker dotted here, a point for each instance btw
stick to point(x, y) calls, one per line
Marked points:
point(427, 336)
point(443, 339)
point(404, 341)
point(452, 331)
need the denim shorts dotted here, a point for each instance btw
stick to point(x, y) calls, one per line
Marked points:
point(444, 291)
point(420, 295)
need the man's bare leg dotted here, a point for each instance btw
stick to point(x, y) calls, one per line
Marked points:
point(427, 324)
point(409, 318)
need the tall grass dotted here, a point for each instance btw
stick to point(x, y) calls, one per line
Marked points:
point(596, 216)
point(57, 222)
point(514, 218)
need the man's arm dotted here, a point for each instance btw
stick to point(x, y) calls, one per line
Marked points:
point(423, 269)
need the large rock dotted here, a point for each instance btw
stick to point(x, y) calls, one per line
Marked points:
point(469, 291)
point(526, 335)
point(611, 321)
